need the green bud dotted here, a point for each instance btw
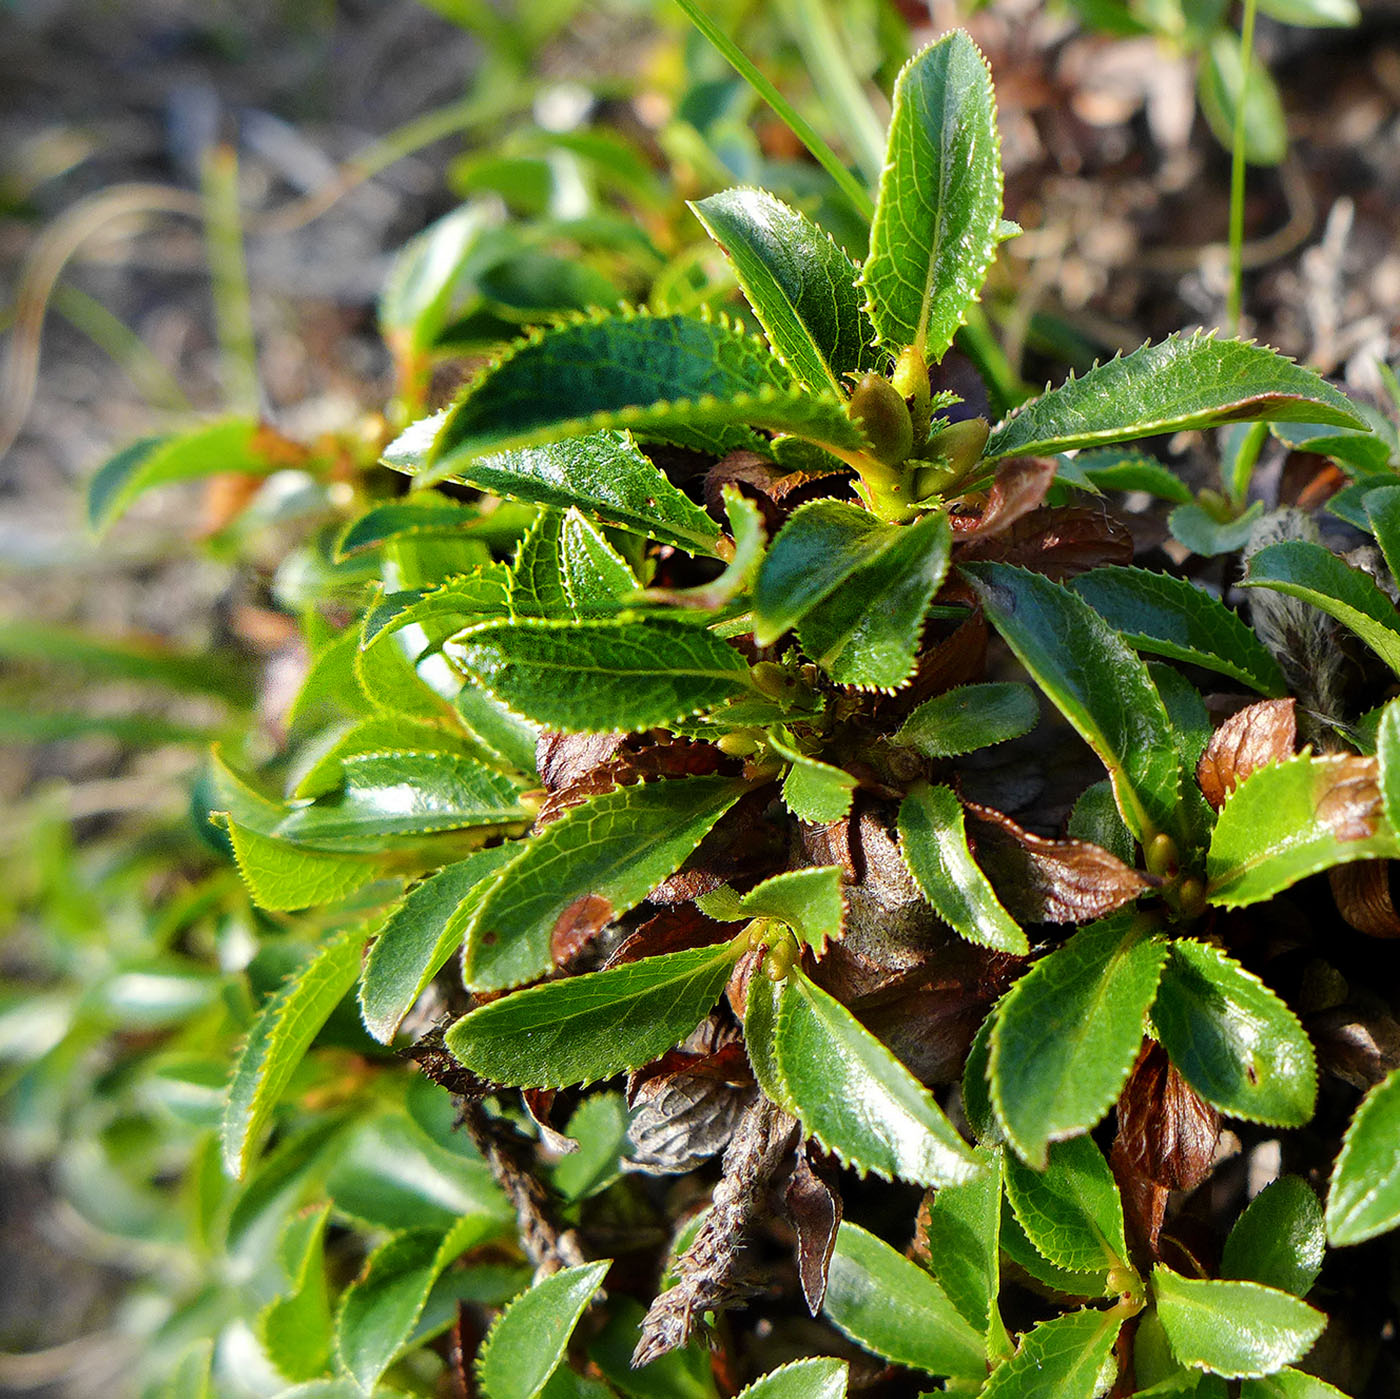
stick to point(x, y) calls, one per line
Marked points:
point(1161, 855)
point(960, 445)
point(884, 419)
point(910, 382)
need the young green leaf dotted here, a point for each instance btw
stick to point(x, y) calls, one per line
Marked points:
point(1063, 1358)
point(933, 841)
point(604, 474)
point(598, 675)
point(1024, 1254)
point(1067, 1032)
point(596, 577)
point(937, 212)
point(1171, 617)
point(894, 1308)
point(969, 717)
point(283, 876)
point(1382, 508)
point(695, 383)
point(599, 1126)
point(1363, 1199)
point(1098, 684)
point(856, 1098)
point(596, 861)
point(1235, 1329)
point(1227, 101)
point(295, 1329)
point(801, 286)
point(808, 901)
point(962, 1230)
point(527, 1342)
point(1232, 1039)
point(380, 734)
point(1095, 818)
point(1305, 570)
point(1190, 381)
point(587, 1028)
point(1279, 1240)
point(1070, 1211)
point(536, 586)
point(1291, 819)
point(1199, 531)
point(287, 1024)
point(420, 935)
point(427, 515)
point(821, 1378)
point(813, 791)
point(1289, 1384)
point(1114, 469)
point(381, 1307)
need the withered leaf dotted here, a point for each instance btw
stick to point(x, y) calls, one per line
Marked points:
point(686, 1107)
point(742, 847)
point(577, 926)
point(814, 1205)
point(1166, 1131)
point(539, 1103)
point(1364, 899)
point(675, 929)
point(1019, 488)
point(1361, 1046)
point(564, 758)
point(1259, 734)
point(1350, 805)
point(626, 765)
point(1059, 542)
point(1144, 1201)
point(1040, 880)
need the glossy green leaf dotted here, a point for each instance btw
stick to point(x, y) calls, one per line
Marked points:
point(1235, 1042)
point(420, 935)
point(295, 1329)
point(1222, 86)
point(808, 901)
point(206, 451)
point(962, 1231)
point(760, 1039)
point(1063, 1358)
point(511, 736)
point(1279, 1240)
point(1289, 1384)
point(1066, 1034)
point(813, 791)
point(1233, 1329)
point(603, 474)
point(856, 1098)
point(596, 577)
point(801, 286)
point(933, 841)
point(1387, 750)
point(536, 586)
point(379, 734)
point(1167, 616)
point(590, 1027)
point(970, 717)
point(280, 1037)
point(1291, 819)
point(698, 383)
point(1184, 381)
point(427, 515)
point(1098, 684)
point(599, 1126)
point(1019, 1250)
point(939, 204)
point(1199, 531)
point(1382, 508)
point(381, 1307)
point(1113, 469)
point(818, 1378)
point(1070, 1211)
point(1368, 451)
point(595, 676)
point(1363, 1199)
point(894, 1308)
point(866, 632)
point(527, 1342)
point(1305, 570)
point(615, 848)
point(1095, 818)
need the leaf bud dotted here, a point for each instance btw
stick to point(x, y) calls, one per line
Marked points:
point(880, 411)
point(780, 956)
point(1161, 854)
point(771, 679)
point(910, 381)
point(738, 744)
point(960, 445)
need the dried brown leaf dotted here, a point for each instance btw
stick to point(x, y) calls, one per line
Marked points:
point(1019, 488)
point(1060, 542)
point(675, 929)
point(1361, 1046)
point(814, 1205)
point(1144, 1202)
point(686, 1107)
point(1259, 734)
point(1166, 1131)
point(1350, 805)
point(1363, 894)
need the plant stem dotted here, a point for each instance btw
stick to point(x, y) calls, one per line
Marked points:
point(228, 270)
point(1234, 307)
point(799, 125)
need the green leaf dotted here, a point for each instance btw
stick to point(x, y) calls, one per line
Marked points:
point(970, 717)
point(808, 901)
point(820, 1378)
point(695, 383)
point(1382, 508)
point(610, 852)
point(283, 876)
point(813, 791)
point(595, 676)
point(1291, 819)
point(933, 841)
point(587, 1028)
point(537, 571)
point(1363, 1199)
point(1171, 617)
point(801, 286)
point(212, 450)
point(1305, 570)
point(427, 515)
point(894, 1308)
point(1098, 684)
point(1222, 84)
point(760, 1037)
point(527, 1342)
point(381, 1307)
point(1095, 818)
point(856, 1098)
point(962, 1227)
point(1289, 1384)
point(379, 734)
point(287, 1024)
point(596, 577)
point(1184, 381)
point(1024, 1254)
point(1117, 470)
point(874, 647)
point(1279, 1240)
point(1232, 1039)
point(1067, 1032)
point(386, 794)
point(1234, 1329)
point(295, 1329)
point(1070, 1211)
point(1319, 14)
point(1199, 531)
point(939, 204)
point(1064, 1358)
point(599, 1126)
point(420, 935)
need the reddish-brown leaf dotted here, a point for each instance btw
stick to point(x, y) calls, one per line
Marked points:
point(775, 491)
point(577, 926)
point(1350, 805)
point(1019, 488)
point(1040, 880)
point(564, 758)
point(1361, 1045)
point(1144, 1202)
point(657, 758)
point(1364, 898)
point(1059, 542)
point(1259, 734)
point(744, 846)
point(539, 1103)
point(814, 1205)
point(676, 929)
point(1166, 1131)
